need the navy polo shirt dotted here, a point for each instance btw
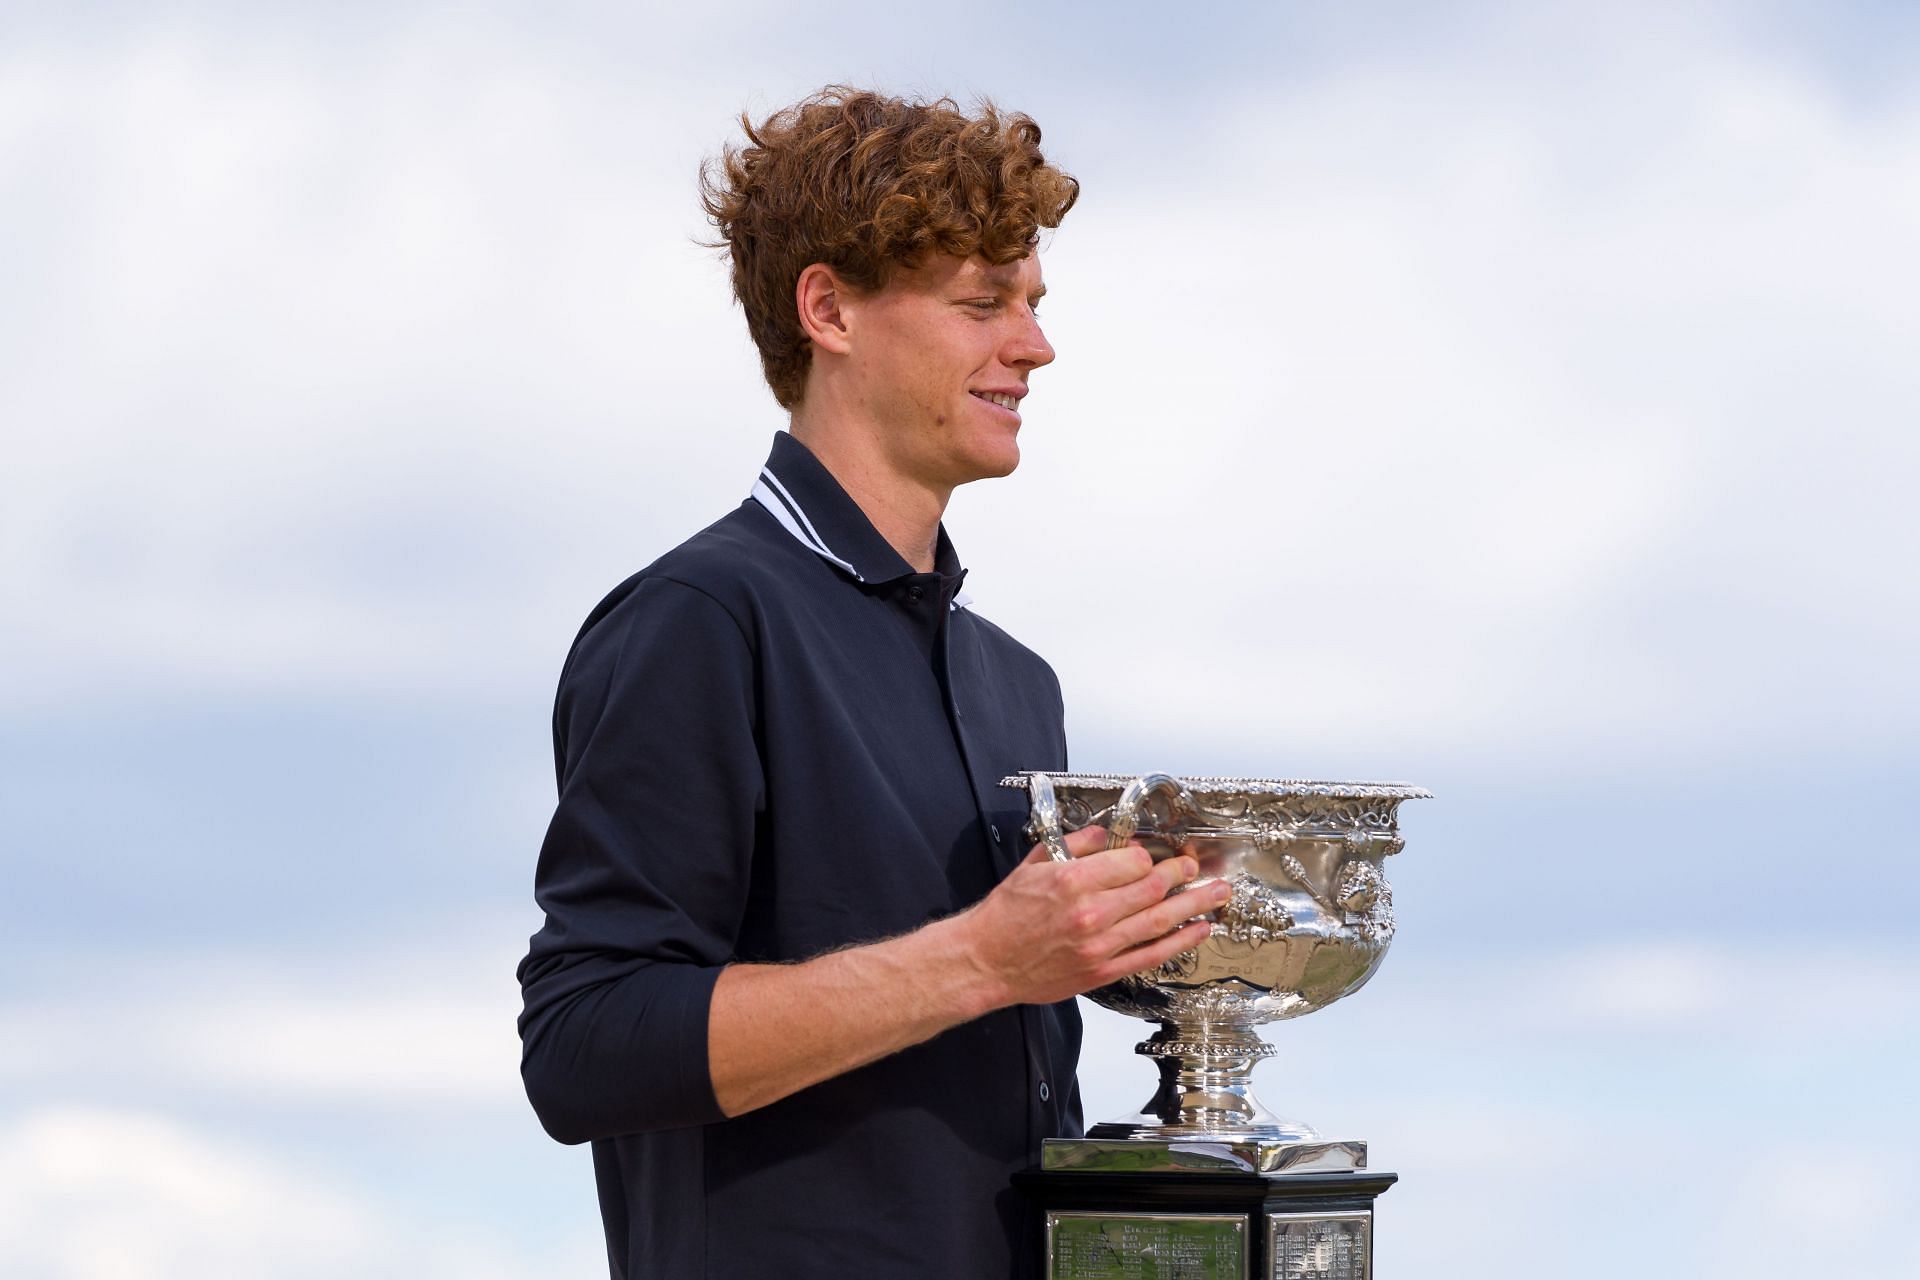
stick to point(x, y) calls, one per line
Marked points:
point(775, 741)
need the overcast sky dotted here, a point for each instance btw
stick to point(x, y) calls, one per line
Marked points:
point(1516, 400)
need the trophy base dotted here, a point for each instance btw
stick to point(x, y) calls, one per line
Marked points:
point(1247, 1121)
point(1228, 1153)
point(1204, 1223)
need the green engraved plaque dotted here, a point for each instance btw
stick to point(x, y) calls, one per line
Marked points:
point(1146, 1246)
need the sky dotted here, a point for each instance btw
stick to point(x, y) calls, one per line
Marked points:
point(1514, 400)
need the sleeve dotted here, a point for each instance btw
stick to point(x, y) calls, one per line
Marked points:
point(643, 875)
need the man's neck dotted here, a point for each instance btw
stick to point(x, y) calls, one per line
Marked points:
point(907, 513)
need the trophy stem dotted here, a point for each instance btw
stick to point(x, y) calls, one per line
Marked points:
point(1206, 1089)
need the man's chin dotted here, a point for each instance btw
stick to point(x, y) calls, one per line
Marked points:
point(993, 466)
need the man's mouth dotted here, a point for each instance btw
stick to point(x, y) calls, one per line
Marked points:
point(995, 397)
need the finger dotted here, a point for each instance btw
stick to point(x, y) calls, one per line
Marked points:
point(1165, 876)
point(1169, 914)
point(1111, 868)
point(1079, 844)
point(1086, 840)
point(1124, 900)
point(1174, 872)
point(1151, 955)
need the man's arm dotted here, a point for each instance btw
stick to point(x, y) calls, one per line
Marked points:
point(644, 871)
point(634, 1017)
point(1048, 932)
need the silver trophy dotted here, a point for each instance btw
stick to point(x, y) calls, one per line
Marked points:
point(1309, 921)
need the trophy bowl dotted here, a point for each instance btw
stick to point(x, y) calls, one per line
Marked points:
point(1309, 921)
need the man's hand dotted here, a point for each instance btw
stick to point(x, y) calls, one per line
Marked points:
point(1052, 930)
point(1049, 931)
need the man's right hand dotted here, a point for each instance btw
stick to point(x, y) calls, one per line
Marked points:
point(1052, 930)
point(1049, 931)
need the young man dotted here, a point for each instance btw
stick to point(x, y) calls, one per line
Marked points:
point(800, 983)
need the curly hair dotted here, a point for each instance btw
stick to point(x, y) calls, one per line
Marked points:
point(869, 184)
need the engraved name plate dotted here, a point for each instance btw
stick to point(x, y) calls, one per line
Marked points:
point(1146, 1246)
point(1320, 1246)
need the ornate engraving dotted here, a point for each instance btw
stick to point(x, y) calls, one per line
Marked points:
point(1254, 914)
point(1366, 898)
point(1206, 1050)
point(1212, 1003)
point(1273, 833)
point(1298, 874)
point(1176, 967)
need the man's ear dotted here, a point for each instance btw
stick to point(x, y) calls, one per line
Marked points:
point(819, 295)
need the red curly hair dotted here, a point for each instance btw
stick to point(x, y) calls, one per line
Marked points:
point(869, 184)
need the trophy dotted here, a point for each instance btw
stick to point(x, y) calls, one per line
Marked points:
point(1205, 1183)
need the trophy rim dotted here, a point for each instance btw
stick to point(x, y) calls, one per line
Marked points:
point(1207, 785)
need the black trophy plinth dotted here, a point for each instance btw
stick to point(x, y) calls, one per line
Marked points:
point(1189, 1224)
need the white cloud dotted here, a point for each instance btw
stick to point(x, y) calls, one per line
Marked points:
point(90, 1193)
point(1436, 432)
point(93, 1193)
point(1675, 990)
point(1505, 414)
point(317, 354)
point(424, 1030)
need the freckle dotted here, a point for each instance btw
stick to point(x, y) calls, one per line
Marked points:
point(939, 419)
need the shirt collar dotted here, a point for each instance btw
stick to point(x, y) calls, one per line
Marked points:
point(800, 493)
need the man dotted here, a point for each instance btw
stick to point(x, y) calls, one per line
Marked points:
point(799, 984)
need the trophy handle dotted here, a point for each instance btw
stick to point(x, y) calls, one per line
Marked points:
point(1044, 824)
point(1126, 810)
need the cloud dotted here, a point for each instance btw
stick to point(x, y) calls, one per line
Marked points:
point(1431, 409)
point(1673, 990)
point(420, 1030)
point(294, 327)
point(95, 1193)
point(102, 1193)
point(1483, 415)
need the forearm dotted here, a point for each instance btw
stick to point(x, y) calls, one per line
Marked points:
point(1048, 932)
point(774, 1029)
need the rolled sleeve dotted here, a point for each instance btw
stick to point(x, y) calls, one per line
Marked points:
point(645, 869)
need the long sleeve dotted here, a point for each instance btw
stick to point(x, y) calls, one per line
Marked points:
point(645, 868)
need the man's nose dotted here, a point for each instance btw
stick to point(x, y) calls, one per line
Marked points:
point(1029, 347)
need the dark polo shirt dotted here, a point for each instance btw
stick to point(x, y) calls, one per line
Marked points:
point(775, 741)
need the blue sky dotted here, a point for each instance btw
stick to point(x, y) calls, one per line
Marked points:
point(1515, 401)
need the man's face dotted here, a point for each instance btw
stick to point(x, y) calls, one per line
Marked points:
point(941, 357)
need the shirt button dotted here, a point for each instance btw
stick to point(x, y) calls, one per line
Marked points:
point(914, 594)
point(1045, 1093)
